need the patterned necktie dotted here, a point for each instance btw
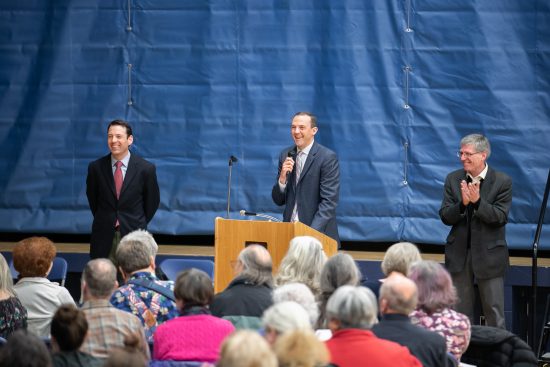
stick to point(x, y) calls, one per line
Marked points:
point(299, 165)
point(118, 178)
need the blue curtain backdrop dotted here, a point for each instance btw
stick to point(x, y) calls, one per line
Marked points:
point(395, 85)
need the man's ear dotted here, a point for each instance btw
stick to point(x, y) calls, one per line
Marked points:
point(383, 305)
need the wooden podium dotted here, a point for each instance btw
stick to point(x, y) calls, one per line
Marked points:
point(231, 236)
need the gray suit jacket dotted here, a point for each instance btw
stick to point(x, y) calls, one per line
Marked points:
point(488, 236)
point(317, 190)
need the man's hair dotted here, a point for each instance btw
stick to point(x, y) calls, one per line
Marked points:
point(399, 257)
point(24, 349)
point(311, 116)
point(122, 123)
point(286, 316)
point(257, 265)
point(69, 327)
point(246, 348)
point(100, 277)
point(302, 263)
point(134, 251)
point(399, 301)
point(33, 256)
point(301, 294)
point(435, 286)
point(480, 143)
point(353, 307)
point(194, 288)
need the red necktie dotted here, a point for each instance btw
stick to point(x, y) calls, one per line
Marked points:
point(118, 178)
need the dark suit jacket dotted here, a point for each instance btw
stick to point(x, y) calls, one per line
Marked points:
point(428, 346)
point(488, 240)
point(317, 190)
point(138, 202)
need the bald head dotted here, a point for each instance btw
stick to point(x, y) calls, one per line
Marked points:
point(256, 265)
point(398, 294)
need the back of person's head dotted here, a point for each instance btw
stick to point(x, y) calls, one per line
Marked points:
point(352, 308)
point(33, 256)
point(135, 251)
point(99, 275)
point(142, 236)
point(256, 265)
point(339, 270)
point(435, 286)
point(399, 257)
point(302, 263)
point(130, 356)
point(398, 294)
point(194, 288)
point(246, 348)
point(24, 349)
point(6, 282)
point(300, 348)
point(69, 327)
point(301, 294)
point(286, 316)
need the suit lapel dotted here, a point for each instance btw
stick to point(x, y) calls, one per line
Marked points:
point(487, 183)
point(309, 160)
point(107, 171)
point(130, 174)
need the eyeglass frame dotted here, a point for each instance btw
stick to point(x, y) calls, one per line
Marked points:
point(459, 154)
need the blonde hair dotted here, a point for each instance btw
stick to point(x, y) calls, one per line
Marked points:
point(245, 348)
point(399, 257)
point(300, 348)
point(6, 282)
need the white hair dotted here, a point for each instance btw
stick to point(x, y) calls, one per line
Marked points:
point(301, 294)
point(286, 316)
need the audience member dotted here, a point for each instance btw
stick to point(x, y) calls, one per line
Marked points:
point(339, 270)
point(107, 326)
point(284, 317)
point(13, 315)
point(246, 348)
point(69, 328)
point(399, 257)
point(398, 298)
point(302, 263)
point(300, 294)
point(436, 296)
point(249, 294)
point(301, 348)
point(33, 259)
point(144, 295)
point(351, 312)
point(196, 335)
point(131, 355)
point(24, 349)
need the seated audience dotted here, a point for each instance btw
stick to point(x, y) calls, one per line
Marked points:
point(301, 348)
point(196, 335)
point(249, 294)
point(399, 257)
point(339, 270)
point(300, 294)
point(69, 328)
point(398, 298)
point(33, 259)
point(144, 295)
point(302, 263)
point(351, 312)
point(284, 317)
point(246, 348)
point(131, 355)
point(24, 349)
point(107, 326)
point(13, 315)
point(436, 296)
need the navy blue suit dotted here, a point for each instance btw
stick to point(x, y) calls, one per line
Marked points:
point(138, 202)
point(317, 190)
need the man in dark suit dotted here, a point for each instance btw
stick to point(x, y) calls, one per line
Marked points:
point(309, 179)
point(476, 203)
point(398, 298)
point(122, 191)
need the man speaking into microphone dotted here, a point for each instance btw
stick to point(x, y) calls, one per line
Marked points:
point(308, 182)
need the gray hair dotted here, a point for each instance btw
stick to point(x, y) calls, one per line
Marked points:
point(134, 251)
point(6, 282)
point(399, 257)
point(257, 265)
point(353, 307)
point(286, 316)
point(302, 263)
point(142, 236)
point(479, 142)
point(301, 294)
point(100, 277)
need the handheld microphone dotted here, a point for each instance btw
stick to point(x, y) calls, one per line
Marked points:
point(245, 213)
point(292, 154)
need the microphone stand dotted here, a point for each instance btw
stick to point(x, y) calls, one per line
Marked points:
point(534, 280)
point(232, 160)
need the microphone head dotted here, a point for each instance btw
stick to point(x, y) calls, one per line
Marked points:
point(292, 153)
point(233, 159)
point(242, 212)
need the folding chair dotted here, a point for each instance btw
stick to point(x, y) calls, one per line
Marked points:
point(172, 267)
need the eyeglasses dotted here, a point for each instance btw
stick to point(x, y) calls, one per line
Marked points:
point(459, 154)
